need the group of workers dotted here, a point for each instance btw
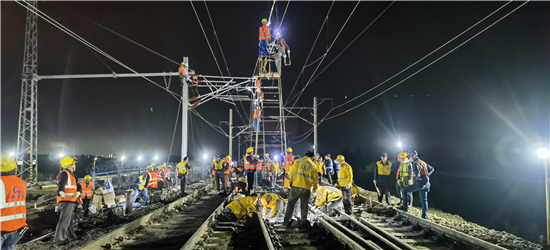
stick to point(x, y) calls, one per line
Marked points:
point(160, 179)
point(279, 46)
point(413, 175)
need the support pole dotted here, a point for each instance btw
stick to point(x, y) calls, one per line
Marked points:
point(230, 133)
point(184, 110)
point(546, 180)
point(239, 149)
point(315, 125)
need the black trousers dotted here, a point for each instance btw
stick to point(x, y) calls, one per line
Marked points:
point(250, 177)
point(86, 205)
point(384, 190)
point(183, 182)
point(346, 199)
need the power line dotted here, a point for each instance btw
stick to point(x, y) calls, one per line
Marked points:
point(328, 50)
point(439, 58)
point(311, 50)
point(283, 18)
point(398, 73)
point(85, 42)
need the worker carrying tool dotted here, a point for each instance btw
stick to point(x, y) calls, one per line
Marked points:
point(303, 177)
point(329, 168)
point(257, 118)
point(404, 177)
point(421, 182)
point(141, 188)
point(328, 199)
point(273, 204)
point(383, 178)
point(183, 171)
point(152, 178)
point(67, 194)
point(13, 192)
point(87, 191)
point(237, 209)
point(265, 38)
point(282, 50)
point(161, 178)
point(250, 166)
point(345, 182)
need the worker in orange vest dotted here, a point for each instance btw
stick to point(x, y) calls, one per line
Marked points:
point(250, 166)
point(13, 218)
point(265, 37)
point(152, 178)
point(161, 183)
point(282, 50)
point(258, 82)
point(87, 191)
point(182, 71)
point(227, 168)
point(287, 159)
point(67, 194)
point(257, 118)
point(259, 169)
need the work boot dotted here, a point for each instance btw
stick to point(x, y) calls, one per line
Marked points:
point(402, 208)
point(304, 224)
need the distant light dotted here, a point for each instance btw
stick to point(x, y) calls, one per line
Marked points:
point(60, 155)
point(276, 157)
point(140, 158)
point(346, 97)
point(205, 156)
point(543, 153)
point(399, 144)
point(123, 158)
point(12, 153)
point(313, 146)
point(156, 157)
point(95, 159)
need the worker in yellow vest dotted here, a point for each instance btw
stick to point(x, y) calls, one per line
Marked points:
point(345, 182)
point(383, 178)
point(320, 164)
point(217, 166)
point(183, 171)
point(274, 204)
point(328, 199)
point(87, 192)
point(303, 177)
point(237, 209)
point(67, 194)
point(13, 192)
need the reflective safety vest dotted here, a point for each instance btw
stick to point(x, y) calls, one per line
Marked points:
point(70, 187)
point(218, 165)
point(384, 169)
point(276, 168)
point(229, 168)
point(326, 195)
point(86, 190)
point(257, 113)
point(346, 175)
point(319, 166)
point(141, 183)
point(258, 83)
point(259, 165)
point(264, 33)
point(248, 165)
point(182, 169)
point(152, 179)
point(287, 160)
point(182, 70)
point(272, 204)
point(404, 174)
point(167, 173)
point(354, 190)
point(159, 175)
point(304, 174)
point(282, 44)
point(13, 210)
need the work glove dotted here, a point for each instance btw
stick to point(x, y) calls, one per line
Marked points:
point(62, 194)
point(348, 185)
point(76, 195)
point(268, 23)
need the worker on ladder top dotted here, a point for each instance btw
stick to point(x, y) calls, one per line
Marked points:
point(265, 38)
point(282, 49)
point(182, 71)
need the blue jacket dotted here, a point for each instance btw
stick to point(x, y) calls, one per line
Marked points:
point(424, 178)
point(328, 164)
point(336, 166)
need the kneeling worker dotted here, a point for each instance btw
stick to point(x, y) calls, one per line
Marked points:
point(140, 188)
point(237, 209)
point(273, 202)
point(328, 199)
point(13, 192)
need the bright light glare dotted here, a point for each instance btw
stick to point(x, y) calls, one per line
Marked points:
point(95, 159)
point(123, 158)
point(12, 153)
point(543, 153)
point(399, 144)
point(205, 156)
point(156, 157)
point(140, 158)
point(276, 157)
point(313, 146)
point(60, 155)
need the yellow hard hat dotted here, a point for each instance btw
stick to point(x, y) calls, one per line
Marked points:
point(340, 158)
point(87, 177)
point(169, 166)
point(289, 150)
point(257, 156)
point(159, 167)
point(183, 63)
point(151, 166)
point(402, 155)
point(264, 20)
point(66, 162)
point(8, 163)
point(266, 154)
point(257, 76)
point(258, 107)
point(249, 150)
point(228, 157)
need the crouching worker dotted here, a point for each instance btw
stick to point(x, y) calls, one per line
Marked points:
point(240, 186)
point(140, 188)
point(328, 199)
point(274, 203)
point(237, 209)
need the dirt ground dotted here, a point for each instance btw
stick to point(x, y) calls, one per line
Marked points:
point(456, 222)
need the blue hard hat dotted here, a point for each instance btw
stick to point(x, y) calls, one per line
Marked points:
point(412, 152)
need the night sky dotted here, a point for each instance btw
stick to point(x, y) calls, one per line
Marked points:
point(477, 116)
